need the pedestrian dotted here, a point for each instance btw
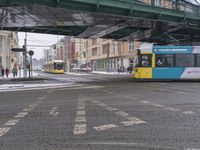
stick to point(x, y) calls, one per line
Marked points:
point(7, 72)
point(2, 72)
point(14, 72)
point(128, 69)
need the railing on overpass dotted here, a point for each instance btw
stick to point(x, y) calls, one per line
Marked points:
point(176, 5)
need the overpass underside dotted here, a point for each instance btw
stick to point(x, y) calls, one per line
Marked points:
point(115, 19)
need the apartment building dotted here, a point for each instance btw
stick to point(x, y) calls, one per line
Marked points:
point(8, 59)
point(111, 56)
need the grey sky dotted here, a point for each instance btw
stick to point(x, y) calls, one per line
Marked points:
point(38, 39)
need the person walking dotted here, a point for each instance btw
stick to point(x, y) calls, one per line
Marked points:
point(2, 72)
point(14, 71)
point(7, 72)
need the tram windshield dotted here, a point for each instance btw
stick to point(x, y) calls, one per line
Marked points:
point(58, 66)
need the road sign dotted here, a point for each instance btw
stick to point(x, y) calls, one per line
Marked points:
point(18, 49)
point(31, 53)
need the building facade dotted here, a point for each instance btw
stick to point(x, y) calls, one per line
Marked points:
point(111, 56)
point(8, 59)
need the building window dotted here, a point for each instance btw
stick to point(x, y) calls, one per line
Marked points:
point(106, 48)
point(164, 60)
point(131, 46)
point(94, 52)
point(185, 60)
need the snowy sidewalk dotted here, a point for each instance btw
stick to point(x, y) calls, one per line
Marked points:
point(19, 75)
point(110, 73)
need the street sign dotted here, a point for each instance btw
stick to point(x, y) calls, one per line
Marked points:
point(18, 49)
point(31, 53)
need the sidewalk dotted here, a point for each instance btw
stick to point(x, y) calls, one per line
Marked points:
point(19, 77)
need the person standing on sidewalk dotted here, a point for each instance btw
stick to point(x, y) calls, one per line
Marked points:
point(7, 72)
point(2, 71)
point(14, 71)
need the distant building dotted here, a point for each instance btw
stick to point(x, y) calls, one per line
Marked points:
point(109, 55)
point(8, 40)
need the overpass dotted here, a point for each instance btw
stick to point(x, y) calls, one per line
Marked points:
point(159, 21)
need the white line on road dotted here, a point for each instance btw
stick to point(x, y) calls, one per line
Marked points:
point(3, 131)
point(109, 108)
point(171, 109)
point(54, 111)
point(79, 129)
point(131, 120)
point(11, 122)
point(188, 112)
point(21, 115)
point(80, 113)
point(80, 126)
point(122, 113)
point(80, 107)
point(80, 119)
point(105, 127)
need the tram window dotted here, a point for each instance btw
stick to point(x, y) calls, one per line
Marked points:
point(146, 60)
point(164, 60)
point(198, 60)
point(185, 60)
point(58, 66)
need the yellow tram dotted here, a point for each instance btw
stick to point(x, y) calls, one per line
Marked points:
point(56, 67)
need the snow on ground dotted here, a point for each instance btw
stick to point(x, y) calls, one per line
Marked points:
point(20, 87)
point(77, 73)
point(110, 73)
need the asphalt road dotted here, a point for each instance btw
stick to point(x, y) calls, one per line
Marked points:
point(102, 115)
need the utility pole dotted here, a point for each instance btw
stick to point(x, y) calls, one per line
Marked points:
point(25, 57)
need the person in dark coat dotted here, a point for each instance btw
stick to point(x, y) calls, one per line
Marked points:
point(7, 72)
point(2, 72)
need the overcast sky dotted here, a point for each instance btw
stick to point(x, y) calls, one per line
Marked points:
point(39, 40)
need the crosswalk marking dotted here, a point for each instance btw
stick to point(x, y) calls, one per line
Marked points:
point(54, 111)
point(130, 120)
point(3, 131)
point(21, 115)
point(11, 122)
point(80, 126)
point(79, 129)
point(79, 113)
point(105, 127)
point(80, 119)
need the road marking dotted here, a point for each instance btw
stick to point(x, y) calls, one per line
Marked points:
point(188, 112)
point(42, 98)
point(80, 107)
point(105, 127)
point(80, 129)
point(95, 101)
point(3, 131)
point(102, 104)
point(153, 104)
point(80, 126)
point(11, 122)
point(80, 113)
point(130, 120)
point(172, 109)
point(54, 111)
point(21, 115)
point(122, 114)
point(109, 108)
point(80, 119)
